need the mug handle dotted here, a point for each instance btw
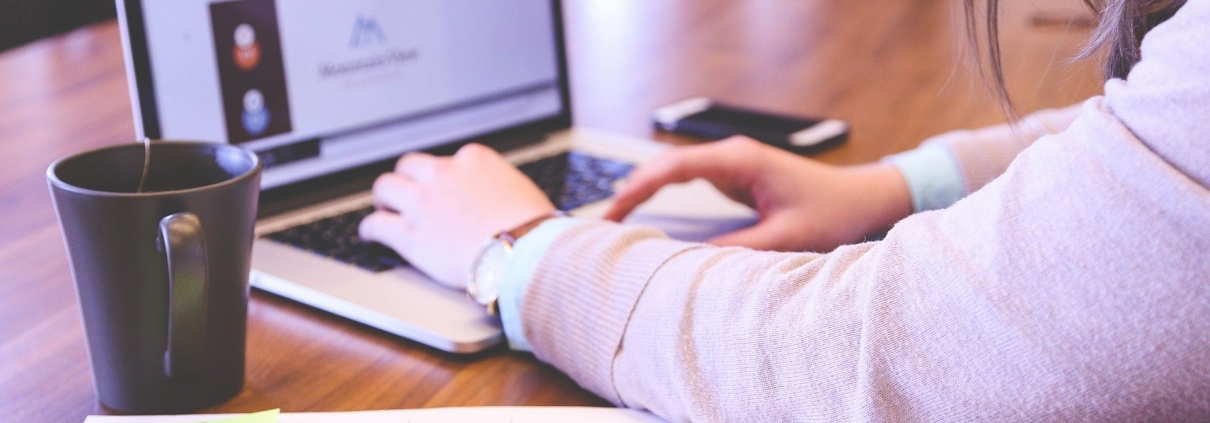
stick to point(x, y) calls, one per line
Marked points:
point(182, 243)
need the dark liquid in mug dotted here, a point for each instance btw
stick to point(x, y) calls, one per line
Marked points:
point(168, 167)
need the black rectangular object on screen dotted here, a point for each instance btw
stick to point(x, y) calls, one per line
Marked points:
point(248, 50)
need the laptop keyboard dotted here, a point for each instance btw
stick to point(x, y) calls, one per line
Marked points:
point(570, 180)
point(336, 237)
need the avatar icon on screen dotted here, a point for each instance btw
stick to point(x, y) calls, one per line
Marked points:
point(246, 51)
point(250, 69)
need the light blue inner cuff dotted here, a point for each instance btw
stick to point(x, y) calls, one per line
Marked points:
point(527, 255)
point(933, 176)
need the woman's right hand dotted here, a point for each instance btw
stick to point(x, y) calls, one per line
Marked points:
point(803, 205)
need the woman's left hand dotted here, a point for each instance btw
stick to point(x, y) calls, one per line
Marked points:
point(437, 211)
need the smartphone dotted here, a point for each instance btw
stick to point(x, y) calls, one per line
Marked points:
point(703, 117)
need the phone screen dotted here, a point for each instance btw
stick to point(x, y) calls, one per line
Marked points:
point(760, 121)
point(704, 118)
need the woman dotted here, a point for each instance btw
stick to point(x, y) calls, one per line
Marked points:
point(1068, 285)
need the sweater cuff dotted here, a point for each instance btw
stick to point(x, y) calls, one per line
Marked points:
point(527, 255)
point(933, 176)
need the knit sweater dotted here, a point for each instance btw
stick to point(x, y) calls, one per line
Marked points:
point(936, 179)
point(1072, 287)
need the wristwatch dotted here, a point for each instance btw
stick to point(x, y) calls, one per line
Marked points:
point(486, 271)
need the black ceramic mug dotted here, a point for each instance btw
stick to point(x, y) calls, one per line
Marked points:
point(162, 274)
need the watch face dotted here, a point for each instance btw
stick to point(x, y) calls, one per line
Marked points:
point(485, 287)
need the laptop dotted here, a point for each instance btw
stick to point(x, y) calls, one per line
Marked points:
point(330, 93)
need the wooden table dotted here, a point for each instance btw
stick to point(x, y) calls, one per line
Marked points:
point(890, 67)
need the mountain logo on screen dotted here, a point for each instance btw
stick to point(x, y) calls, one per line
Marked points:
point(367, 32)
point(246, 50)
point(256, 115)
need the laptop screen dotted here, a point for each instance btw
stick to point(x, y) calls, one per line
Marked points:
point(319, 86)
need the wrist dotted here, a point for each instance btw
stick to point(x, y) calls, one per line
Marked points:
point(487, 269)
point(520, 272)
point(890, 199)
point(521, 230)
point(933, 177)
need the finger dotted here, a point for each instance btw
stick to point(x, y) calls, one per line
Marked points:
point(644, 182)
point(387, 228)
point(417, 165)
point(482, 158)
point(712, 162)
point(395, 192)
point(475, 151)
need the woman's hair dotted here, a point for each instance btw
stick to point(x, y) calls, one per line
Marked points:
point(1119, 33)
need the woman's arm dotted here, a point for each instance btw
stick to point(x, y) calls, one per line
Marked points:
point(1066, 290)
point(1070, 288)
point(985, 154)
point(950, 166)
point(805, 205)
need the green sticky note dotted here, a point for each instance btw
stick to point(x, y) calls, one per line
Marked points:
point(267, 416)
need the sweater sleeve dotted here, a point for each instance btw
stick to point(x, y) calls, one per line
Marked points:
point(527, 254)
point(984, 154)
point(1002, 307)
point(1070, 288)
point(932, 174)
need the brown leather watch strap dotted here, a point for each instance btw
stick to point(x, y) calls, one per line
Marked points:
point(516, 233)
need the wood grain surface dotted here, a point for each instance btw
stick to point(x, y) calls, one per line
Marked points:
point(891, 68)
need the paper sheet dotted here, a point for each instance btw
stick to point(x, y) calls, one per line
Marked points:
point(427, 415)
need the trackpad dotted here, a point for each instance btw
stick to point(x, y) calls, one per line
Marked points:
point(693, 211)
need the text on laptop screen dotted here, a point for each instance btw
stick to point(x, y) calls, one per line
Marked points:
point(318, 86)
